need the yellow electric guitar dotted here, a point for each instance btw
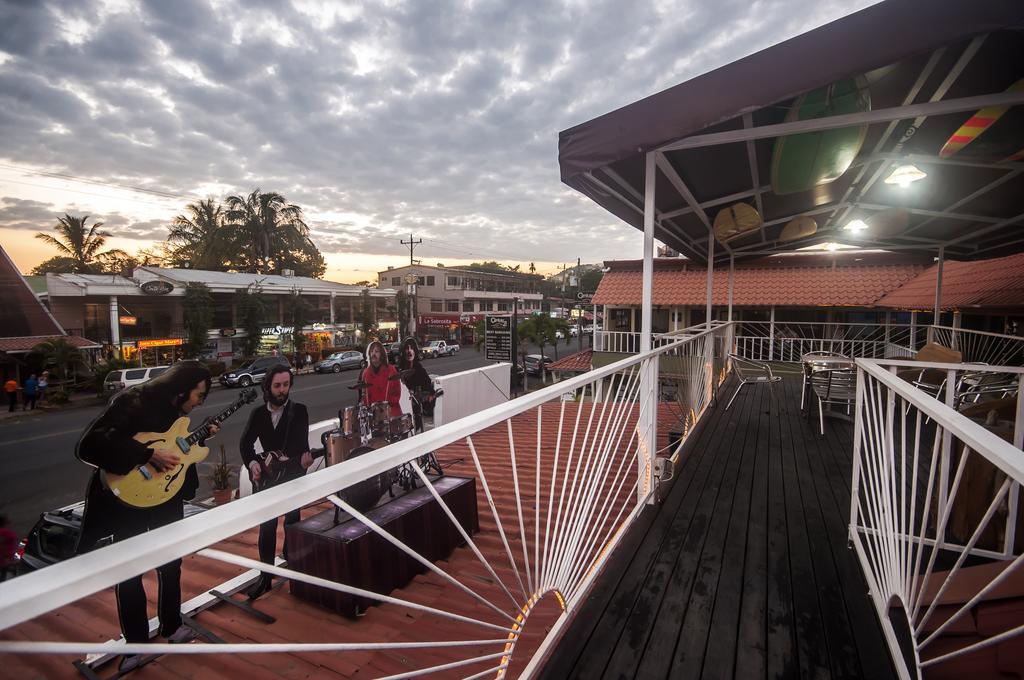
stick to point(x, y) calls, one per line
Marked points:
point(145, 487)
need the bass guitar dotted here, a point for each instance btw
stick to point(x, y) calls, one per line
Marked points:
point(145, 487)
point(272, 468)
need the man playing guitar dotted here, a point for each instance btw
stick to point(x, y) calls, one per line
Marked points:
point(108, 445)
point(282, 427)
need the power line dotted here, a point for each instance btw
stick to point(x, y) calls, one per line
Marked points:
point(412, 245)
point(97, 182)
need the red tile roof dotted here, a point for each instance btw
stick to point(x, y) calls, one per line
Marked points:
point(27, 343)
point(986, 283)
point(94, 618)
point(781, 284)
point(577, 363)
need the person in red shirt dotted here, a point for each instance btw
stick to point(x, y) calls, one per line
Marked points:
point(377, 376)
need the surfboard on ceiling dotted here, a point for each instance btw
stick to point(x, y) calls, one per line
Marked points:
point(801, 162)
point(1001, 127)
point(735, 221)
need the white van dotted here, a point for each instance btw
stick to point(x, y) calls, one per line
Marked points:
point(129, 377)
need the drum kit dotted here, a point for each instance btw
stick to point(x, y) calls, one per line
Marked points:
point(363, 429)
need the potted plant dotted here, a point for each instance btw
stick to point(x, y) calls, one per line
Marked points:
point(220, 479)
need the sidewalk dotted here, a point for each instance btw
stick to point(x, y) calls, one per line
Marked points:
point(76, 401)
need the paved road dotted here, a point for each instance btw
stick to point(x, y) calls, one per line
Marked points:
point(40, 472)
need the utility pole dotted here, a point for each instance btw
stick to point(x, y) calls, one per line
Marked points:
point(579, 306)
point(410, 280)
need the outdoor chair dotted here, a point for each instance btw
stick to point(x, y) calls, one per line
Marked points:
point(834, 387)
point(809, 366)
point(751, 373)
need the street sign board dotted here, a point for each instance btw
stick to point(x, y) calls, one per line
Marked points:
point(584, 296)
point(498, 338)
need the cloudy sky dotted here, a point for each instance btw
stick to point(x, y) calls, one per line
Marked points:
point(379, 119)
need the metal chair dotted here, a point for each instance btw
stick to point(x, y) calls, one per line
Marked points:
point(834, 386)
point(810, 366)
point(751, 373)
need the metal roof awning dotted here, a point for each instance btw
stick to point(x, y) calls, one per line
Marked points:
point(811, 128)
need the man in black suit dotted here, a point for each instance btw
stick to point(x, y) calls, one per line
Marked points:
point(281, 426)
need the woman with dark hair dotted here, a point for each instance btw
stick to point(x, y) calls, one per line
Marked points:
point(416, 380)
point(108, 444)
point(377, 376)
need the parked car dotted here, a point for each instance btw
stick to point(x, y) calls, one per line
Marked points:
point(251, 372)
point(129, 377)
point(55, 536)
point(438, 348)
point(532, 363)
point(341, 361)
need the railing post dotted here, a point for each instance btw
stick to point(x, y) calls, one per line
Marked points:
point(647, 429)
point(771, 335)
point(912, 345)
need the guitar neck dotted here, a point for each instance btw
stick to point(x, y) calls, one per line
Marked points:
point(204, 431)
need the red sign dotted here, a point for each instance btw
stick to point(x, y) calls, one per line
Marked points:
point(437, 320)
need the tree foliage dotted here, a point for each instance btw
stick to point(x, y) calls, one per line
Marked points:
point(250, 308)
point(198, 315)
point(200, 240)
point(542, 330)
point(61, 355)
point(271, 235)
point(80, 247)
point(297, 308)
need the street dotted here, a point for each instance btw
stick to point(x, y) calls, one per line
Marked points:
point(41, 472)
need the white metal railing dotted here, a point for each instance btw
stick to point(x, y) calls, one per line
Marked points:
point(930, 488)
point(981, 347)
point(564, 471)
point(788, 341)
point(625, 342)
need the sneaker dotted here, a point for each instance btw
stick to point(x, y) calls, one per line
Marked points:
point(129, 662)
point(183, 634)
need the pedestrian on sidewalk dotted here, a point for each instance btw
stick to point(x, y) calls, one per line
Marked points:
point(44, 382)
point(11, 388)
point(30, 393)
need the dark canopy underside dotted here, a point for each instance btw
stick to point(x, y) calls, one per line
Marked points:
point(929, 67)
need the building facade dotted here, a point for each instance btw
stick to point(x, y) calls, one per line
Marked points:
point(450, 301)
point(145, 313)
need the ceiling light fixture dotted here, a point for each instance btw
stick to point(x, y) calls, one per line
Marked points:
point(905, 175)
point(856, 225)
point(832, 247)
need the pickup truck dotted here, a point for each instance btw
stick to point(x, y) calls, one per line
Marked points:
point(438, 348)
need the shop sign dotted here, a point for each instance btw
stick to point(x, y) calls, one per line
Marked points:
point(437, 320)
point(224, 348)
point(164, 342)
point(277, 330)
point(498, 338)
point(472, 318)
point(127, 320)
point(387, 325)
point(319, 327)
point(586, 297)
point(228, 332)
point(157, 287)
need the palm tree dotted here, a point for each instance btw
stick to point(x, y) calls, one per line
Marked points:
point(79, 246)
point(269, 228)
point(201, 239)
point(61, 354)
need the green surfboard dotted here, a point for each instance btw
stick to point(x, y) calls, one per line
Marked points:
point(800, 162)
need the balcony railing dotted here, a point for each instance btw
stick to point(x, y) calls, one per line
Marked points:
point(564, 472)
point(931, 489)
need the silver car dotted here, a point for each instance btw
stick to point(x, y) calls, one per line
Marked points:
point(340, 361)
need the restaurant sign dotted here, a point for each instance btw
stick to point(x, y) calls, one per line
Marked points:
point(424, 320)
point(498, 338)
point(157, 287)
point(164, 342)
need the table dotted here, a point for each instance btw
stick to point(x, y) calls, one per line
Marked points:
point(820, 361)
point(353, 554)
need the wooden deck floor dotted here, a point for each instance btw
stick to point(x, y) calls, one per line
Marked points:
point(744, 570)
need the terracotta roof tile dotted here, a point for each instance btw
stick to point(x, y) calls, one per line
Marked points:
point(26, 343)
point(985, 283)
point(578, 362)
point(803, 286)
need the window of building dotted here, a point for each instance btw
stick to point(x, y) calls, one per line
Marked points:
point(452, 305)
point(453, 280)
point(430, 280)
point(467, 306)
point(436, 306)
point(486, 306)
point(503, 306)
point(396, 280)
point(620, 319)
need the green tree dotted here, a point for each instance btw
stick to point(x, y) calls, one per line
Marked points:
point(250, 308)
point(61, 355)
point(270, 235)
point(200, 240)
point(364, 313)
point(533, 268)
point(542, 330)
point(198, 315)
point(402, 305)
point(80, 247)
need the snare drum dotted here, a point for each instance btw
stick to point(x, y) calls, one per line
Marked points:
point(348, 420)
point(380, 411)
point(399, 426)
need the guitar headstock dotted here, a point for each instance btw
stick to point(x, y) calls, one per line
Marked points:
point(247, 396)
